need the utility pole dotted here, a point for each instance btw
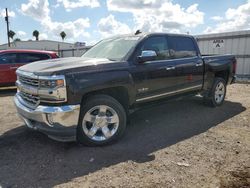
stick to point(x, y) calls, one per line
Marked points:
point(8, 29)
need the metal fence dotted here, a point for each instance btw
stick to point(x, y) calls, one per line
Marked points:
point(236, 43)
point(74, 52)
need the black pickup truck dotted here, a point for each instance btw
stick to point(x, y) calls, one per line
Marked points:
point(88, 98)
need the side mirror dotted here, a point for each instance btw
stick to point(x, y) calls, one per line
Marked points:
point(147, 55)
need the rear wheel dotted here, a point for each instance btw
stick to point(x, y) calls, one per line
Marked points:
point(217, 93)
point(102, 121)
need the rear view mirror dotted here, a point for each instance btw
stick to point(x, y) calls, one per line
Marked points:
point(147, 55)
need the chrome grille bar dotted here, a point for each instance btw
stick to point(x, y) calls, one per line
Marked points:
point(28, 85)
point(28, 81)
point(28, 97)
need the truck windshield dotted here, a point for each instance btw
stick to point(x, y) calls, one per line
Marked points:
point(113, 49)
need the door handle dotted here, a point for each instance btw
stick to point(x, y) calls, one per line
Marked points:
point(198, 64)
point(170, 68)
point(13, 67)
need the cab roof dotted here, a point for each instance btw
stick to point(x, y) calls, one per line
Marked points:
point(147, 34)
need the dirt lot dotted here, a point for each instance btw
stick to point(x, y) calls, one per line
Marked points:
point(178, 144)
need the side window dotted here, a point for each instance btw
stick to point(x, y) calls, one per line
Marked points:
point(31, 57)
point(8, 58)
point(159, 45)
point(42, 56)
point(182, 47)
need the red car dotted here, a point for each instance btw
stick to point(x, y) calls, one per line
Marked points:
point(10, 60)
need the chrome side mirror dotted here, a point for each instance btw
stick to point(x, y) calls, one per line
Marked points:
point(147, 55)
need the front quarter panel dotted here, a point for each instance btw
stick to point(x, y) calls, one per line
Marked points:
point(82, 83)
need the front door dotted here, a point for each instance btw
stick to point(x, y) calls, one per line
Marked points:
point(154, 79)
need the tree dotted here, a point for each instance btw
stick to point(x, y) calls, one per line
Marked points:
point(63, 35)
point(17, 40)
point(36, 34)
point(11, 34)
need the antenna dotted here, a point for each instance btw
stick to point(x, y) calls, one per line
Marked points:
point(138, 32)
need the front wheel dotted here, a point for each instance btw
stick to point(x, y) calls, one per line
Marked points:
point(102, 121)
point(217, 93)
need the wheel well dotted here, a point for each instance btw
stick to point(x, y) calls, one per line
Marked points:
point(223, 74)
point(118, 93)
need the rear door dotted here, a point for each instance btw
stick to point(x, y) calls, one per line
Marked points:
point(7, 68)
point(189, 64)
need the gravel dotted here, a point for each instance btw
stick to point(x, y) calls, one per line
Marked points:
point(179, 143)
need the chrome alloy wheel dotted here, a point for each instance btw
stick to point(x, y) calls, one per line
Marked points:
point(100, 123)
point(219, 92)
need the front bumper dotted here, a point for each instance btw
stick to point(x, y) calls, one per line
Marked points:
point(58, 122)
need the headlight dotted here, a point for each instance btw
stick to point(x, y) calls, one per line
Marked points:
point(51, 83)
point(52, 89)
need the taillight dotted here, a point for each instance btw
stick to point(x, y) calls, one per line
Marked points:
point(234, 65)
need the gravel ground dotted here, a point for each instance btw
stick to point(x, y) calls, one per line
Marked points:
point(180, 143)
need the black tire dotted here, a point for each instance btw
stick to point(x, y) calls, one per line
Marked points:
point(91, 103)
point(212, 98)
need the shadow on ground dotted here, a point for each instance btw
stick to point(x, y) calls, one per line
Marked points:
point(30, 159)
point(5, 92)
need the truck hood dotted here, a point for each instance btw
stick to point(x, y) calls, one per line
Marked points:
point(64, 65)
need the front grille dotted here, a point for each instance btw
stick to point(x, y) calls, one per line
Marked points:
point(29, 97)
point(31, 100)
point(28, 81)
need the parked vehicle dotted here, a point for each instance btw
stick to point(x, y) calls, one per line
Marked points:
point(88, 99)
point(10, 60)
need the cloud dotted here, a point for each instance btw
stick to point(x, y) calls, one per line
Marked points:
point(159, 15)
point(21, 33)
point(43, 36)
point(217, 18)
point(69, 4)
point(233, 20)
point(73, 29)
point(110, 26)
point(39, 11)
point(10, 13)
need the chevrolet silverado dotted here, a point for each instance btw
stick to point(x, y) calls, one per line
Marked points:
point(88, 99)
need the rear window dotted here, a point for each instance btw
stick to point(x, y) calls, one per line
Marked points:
point(182, 47)
point(31, 57)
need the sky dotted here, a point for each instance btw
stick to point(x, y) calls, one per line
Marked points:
point(92, 20)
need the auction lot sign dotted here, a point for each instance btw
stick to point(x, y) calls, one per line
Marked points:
point(218, 43)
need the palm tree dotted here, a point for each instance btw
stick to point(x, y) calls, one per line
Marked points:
point(63, 35)
point(11, 34)
point(36, 34)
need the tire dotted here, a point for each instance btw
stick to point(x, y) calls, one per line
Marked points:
point(102, 121)
point(217, 93)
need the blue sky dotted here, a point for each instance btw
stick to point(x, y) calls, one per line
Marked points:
point(91, 20)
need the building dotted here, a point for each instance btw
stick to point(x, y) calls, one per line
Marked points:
point(236, 43)
point(64, 49)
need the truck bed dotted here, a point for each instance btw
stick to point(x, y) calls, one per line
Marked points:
point(218, 62)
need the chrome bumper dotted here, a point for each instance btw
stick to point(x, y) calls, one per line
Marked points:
point(57, 121)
